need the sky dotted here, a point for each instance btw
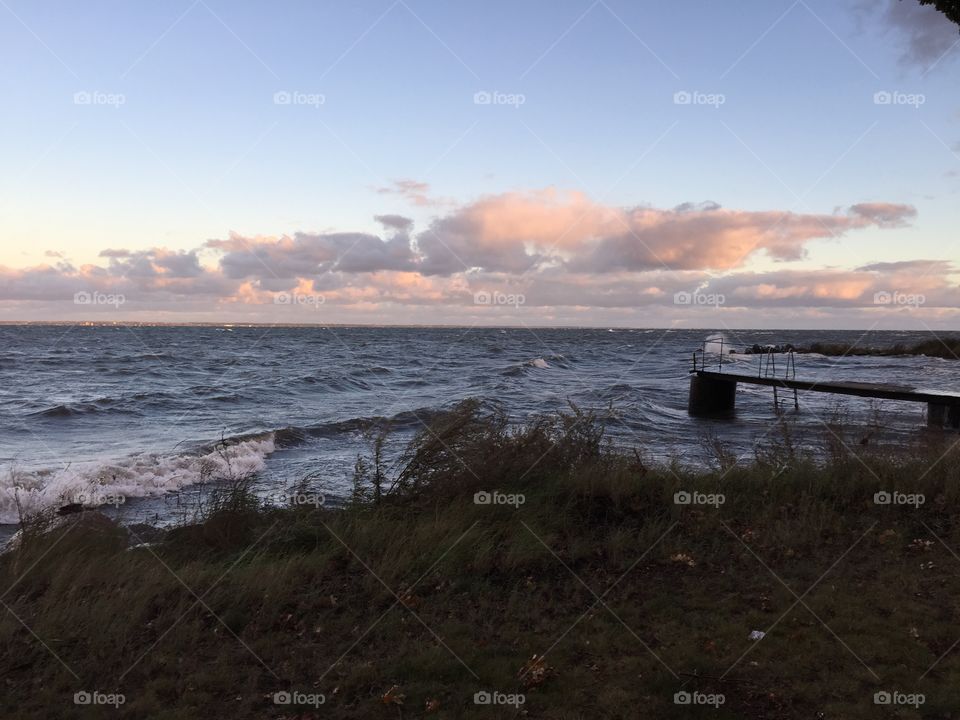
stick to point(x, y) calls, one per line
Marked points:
point(764, 163)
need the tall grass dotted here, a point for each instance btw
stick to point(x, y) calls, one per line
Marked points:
point(414, 588)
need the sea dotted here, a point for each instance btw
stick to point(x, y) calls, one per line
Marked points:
point(140, 419)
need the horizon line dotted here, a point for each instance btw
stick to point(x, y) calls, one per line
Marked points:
point(213, 324)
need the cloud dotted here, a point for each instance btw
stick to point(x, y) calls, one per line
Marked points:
point(925, 267)
point(550, 288)
point(697, 207)
point(155, 263)
point(838, 288)
point(714, 239)
point(558, 249)
point(155, 276)
point(306, 255)
point(395, 222)
point(518, 232)
point(885, 215)
point(413, 191)
point(830, 295)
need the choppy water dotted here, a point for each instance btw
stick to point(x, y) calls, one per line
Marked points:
point(137, 411)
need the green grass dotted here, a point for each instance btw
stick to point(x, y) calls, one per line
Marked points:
point(429, 593)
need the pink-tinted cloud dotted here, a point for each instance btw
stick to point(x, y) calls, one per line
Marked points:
point(517, 232)
point(415, 192)
point(885, 215)
point(558, 250)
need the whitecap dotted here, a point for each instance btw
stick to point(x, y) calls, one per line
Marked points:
point(111, 483)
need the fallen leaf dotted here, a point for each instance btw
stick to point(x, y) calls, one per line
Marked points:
point(534, 672)
point(393, 696)
point(409, 600)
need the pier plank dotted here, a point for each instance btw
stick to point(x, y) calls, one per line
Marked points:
point(883, 391)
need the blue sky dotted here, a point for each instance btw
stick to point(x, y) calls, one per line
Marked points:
point(199, 148)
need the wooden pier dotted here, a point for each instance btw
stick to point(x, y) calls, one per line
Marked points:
point(713, 392)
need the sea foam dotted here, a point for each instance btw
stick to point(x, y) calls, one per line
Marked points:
point(101, 483)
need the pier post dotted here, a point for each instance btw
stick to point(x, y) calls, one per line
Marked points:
point(939, 415)
point(711, 397)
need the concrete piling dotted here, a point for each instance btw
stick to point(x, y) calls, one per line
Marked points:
point(711, 397)
point(940, 415)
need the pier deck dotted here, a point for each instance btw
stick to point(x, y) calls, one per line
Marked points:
point(881, 391)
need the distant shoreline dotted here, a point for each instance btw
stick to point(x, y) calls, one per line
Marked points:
point(946, 348)
point(444, 326)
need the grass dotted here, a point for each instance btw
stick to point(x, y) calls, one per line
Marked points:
point(597, 596)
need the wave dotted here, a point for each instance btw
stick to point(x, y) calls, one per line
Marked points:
point(539, 363)
point(213, 392)
point(293, 435)
point(614, 392)
point(136, 403)
point(66, 410)
point(373, 370)
point(57, 411)
point(93, 484)
point(148, 475)
point(411, 382)
point(337, 384)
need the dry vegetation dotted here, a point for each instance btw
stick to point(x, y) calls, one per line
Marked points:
point(412, 598)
